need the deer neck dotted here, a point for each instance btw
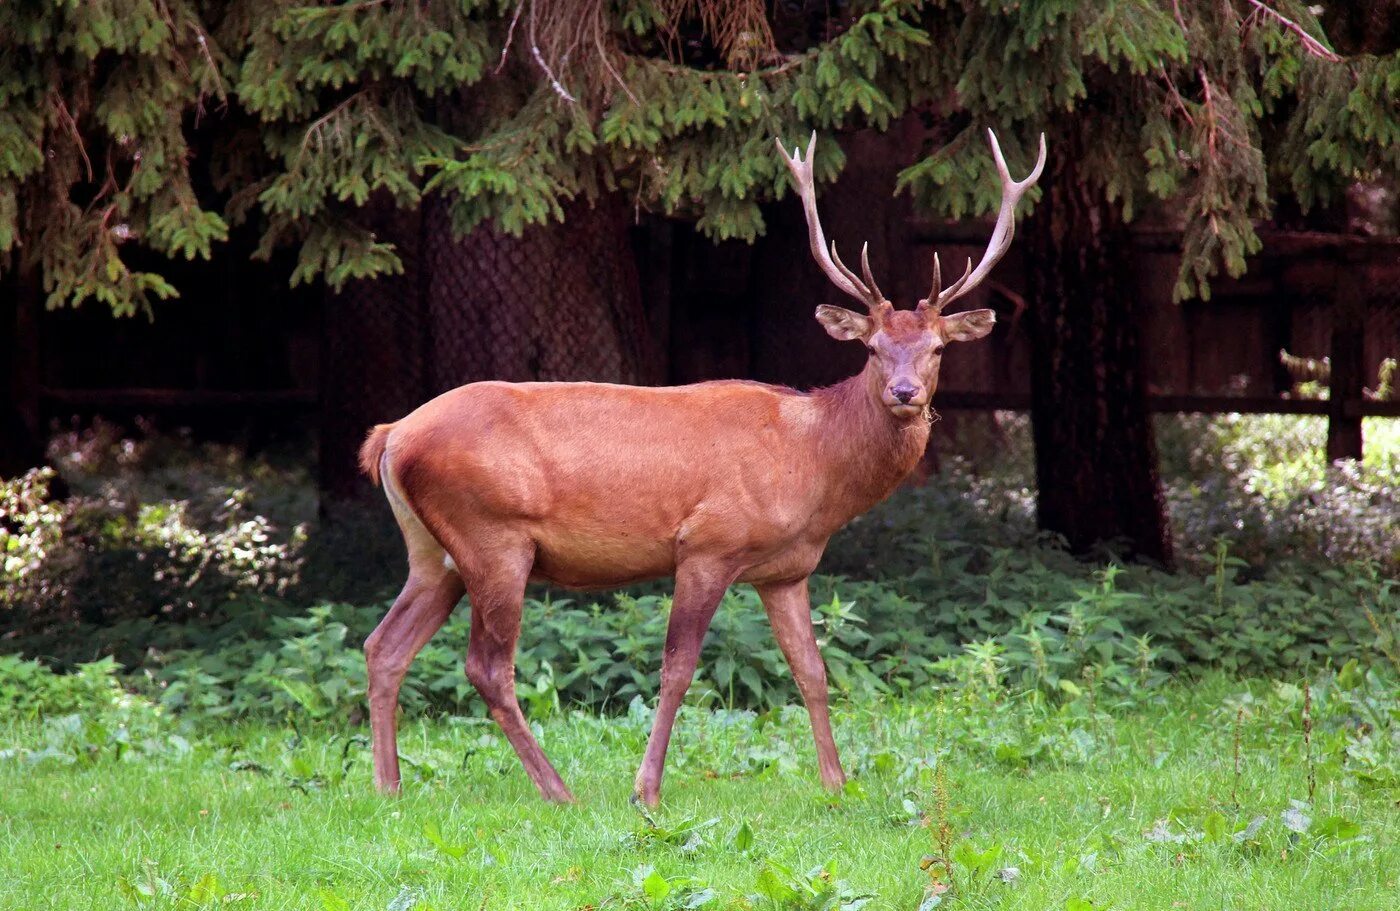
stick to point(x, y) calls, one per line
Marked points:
point(866, 449)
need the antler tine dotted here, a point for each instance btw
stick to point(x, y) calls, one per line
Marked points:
point(941, 298)
point(845, 270)
point(830, 263)
point(937, 283)
point(1011, 192)
point(865, 270)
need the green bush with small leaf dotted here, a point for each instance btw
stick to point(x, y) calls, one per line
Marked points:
point(186, 564)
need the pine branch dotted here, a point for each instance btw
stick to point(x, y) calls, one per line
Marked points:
point(543, 63)
point(1310, 44)
point(72, 125)
point(1176, 96)
point(510, 36)
point(320, 123)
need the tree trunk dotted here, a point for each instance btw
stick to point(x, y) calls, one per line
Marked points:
point(21, 437)
point(372, 367)
point(1095, 450)
point(1348, 359)
point(562, 302)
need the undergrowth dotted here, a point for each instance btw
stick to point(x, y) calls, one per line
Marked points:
point(974, 793)
point(166, 558)
point(993, 619)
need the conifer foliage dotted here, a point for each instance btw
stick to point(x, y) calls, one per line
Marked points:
point(136, 131)
point(95, 100)
point(1215, 106)
point(292, 115)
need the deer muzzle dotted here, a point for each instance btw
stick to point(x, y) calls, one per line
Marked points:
point(905, 397)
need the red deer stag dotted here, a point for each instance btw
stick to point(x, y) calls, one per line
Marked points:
point(590, 485)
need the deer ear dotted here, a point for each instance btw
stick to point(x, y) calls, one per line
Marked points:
point(842, 324)
point(968, 326)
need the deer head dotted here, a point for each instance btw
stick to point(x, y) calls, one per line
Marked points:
point(906, 346)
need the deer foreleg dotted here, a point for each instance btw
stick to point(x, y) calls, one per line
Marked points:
point(698, 593)
point(790, 611)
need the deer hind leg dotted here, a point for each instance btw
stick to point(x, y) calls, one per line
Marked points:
point(790, 612)
point(427, 600)
point(698, 592)
point(496, 587)
point(419, 612)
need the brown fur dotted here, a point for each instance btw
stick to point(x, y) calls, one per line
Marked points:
point(590, 485)
point(372, 452)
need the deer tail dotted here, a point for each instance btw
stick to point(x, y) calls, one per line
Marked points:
point(372, 452)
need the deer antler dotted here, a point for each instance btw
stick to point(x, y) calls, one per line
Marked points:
point(1011, 193)
point(864, 291)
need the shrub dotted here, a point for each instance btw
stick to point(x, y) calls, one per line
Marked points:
point(87, 715)
point(599, 655)
point(996, 619)
point(1262, 482)
point(148, 530)
point(945, 582)
point(30, 689)
point(30, 528)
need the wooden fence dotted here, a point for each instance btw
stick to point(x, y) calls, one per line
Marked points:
point(1312, 294)
point(252, 355)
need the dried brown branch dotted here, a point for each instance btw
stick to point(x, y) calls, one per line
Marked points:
point(572, 42)
point(564, 25)
point(1215, 124)
point(66, 117)
point(1211, 119)
point(203, 41)
point(1176, 96)
point(510, 36)
point(1180, 19)
point(319, 123)
point(739, 28)
point(1018, 303)
point(1310, 44)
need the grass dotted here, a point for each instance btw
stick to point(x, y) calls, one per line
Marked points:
point(1129, 806)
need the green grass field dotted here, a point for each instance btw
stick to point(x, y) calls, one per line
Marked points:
point(1039, 807)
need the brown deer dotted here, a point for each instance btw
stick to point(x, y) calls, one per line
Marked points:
point(591, 485)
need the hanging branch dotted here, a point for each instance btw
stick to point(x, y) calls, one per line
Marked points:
point(68, 121)
point(572, 43)
point(1310, 44)
point(510, 37)
point(1176, 95)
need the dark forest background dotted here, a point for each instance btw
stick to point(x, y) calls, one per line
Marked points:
point(1131, 629)
point(280, 224)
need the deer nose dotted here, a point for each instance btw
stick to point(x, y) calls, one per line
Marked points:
point(904, 392)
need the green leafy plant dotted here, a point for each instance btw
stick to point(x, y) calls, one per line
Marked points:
point(149, 529)
point(780, 888)
point(30, 689)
